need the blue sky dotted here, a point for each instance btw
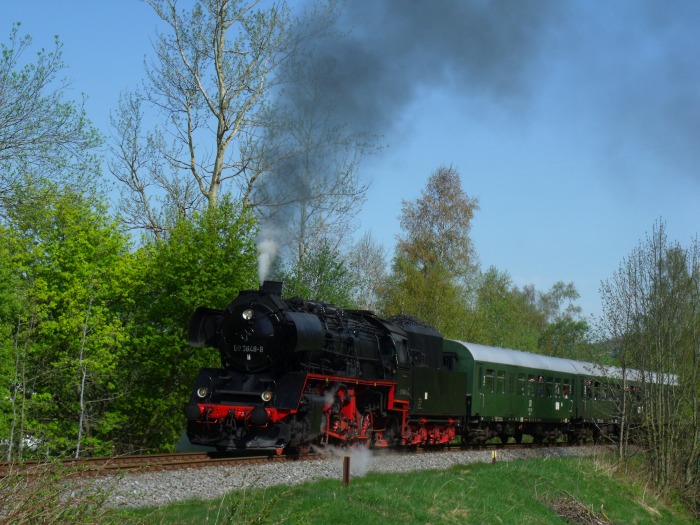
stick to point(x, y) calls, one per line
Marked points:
point(576, 138)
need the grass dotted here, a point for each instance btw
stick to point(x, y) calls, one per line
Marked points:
point(516, 492)
point(49, 494)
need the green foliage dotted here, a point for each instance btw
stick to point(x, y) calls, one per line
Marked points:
point(94, 354)
point(566, 338)
point(429, 295)
point(65, 337)
point(10, 307)
point(324, 277)
point(436, 227)
point(204, 262)
point(435, 260)
point(529, 320)
point(505, 316)
point(652, 320)
point(40, 128)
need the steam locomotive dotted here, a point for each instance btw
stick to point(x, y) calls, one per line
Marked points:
point(295, 373)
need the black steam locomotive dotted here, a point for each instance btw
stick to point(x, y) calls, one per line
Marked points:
point(297, 372)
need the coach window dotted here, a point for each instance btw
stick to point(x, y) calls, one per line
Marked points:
point(539, 386)
point(521, 384)
point(567, 388)
point(587, 389)
point(489, 380)
point(614, 392)
point(510, 386)
point(531, 385)
point(636, 393)
point(500, 382)
point(615, 389)
point(557, 387)
point(549, 387)
point(609, 391)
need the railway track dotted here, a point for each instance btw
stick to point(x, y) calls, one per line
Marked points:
point(136, 463)
point(98, 466)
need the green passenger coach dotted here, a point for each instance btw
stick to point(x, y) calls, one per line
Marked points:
point(511, 393)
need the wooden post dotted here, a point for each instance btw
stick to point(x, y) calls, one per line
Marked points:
point(346, 471)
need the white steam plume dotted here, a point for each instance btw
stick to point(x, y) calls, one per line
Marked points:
point(361, 458)
point(267, 249)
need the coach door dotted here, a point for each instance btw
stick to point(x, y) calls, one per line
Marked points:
point(568, 396)
point(495, 401)
point(585, 395)
point(510, 398)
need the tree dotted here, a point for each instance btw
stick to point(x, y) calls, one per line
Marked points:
point(652, 319)
point(211, 79)
point(11, 306)
point(435, 261)
point(437, 225)
point(325, 277)
point(40, 131)
point(564, 333)
point(525, 319)
point(204, 261)
point(430, 296)
point(66, 336)
point(136, 163)
point(367, 266)
point(505, 316)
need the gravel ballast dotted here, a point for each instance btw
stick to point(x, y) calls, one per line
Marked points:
point(160, 488)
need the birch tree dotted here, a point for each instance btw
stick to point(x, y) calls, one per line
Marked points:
point(652, 316)
point(367, 264)
point(209, 82)
point(435, 261)
point(436, 227)
point(42, 131)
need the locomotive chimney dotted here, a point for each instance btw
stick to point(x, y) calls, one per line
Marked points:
point(272, 288)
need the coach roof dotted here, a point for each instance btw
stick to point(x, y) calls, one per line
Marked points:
point(506, 356)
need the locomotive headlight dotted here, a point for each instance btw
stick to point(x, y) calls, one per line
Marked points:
point(202, 392)
point(247, 314)
point(266, 396)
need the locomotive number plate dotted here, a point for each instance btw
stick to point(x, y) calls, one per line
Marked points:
point(248, 349)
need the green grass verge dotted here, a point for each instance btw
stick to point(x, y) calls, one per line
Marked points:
point(516, 492)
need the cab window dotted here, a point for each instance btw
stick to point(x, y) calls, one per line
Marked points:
point(401, 351)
